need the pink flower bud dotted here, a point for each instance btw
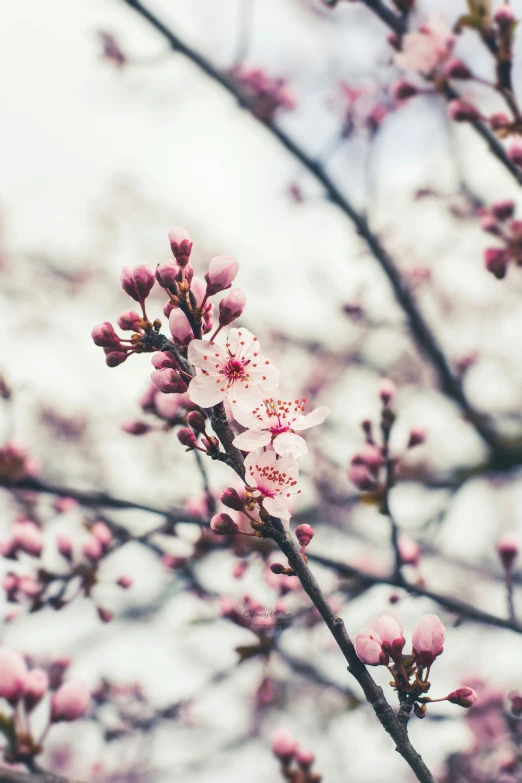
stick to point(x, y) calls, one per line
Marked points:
point(125, 582)
point(489, 223)
point(231, 306)
point(10, 584)
point(137, 282)
point(456, 69)
point(180, 245)
point(402, 90)
point(164, 359)
point(516, 703)
point(196, 420)
point(409, 551)
point(388, 627)
point(92, 549)
point(104, 336)
point(223, 525)
point(230, 498)
point(460, 111)
point(368, 646)
point(417, 437)
point(35, 687)
point(284, 744)
point(497, 260)
point(361, 476)
point(514, 152)
point(387, 391)
point(277, 568)
point(464, 697)
point(504, 15)
point(499, 120)
point(102, 532)
point(305, 759)
point(503, 210)
point(221, 273)
point(304, 534)
point(64, 543)
point(507, 548)
point(104, 614)
point(63, 505)
point(167, 273)
point(129, 321)
point(69, 702)
point(29, 586)
point(180, 327)
point(28, 537)
point(371, 456)
point(168, 381)
point(187, 438)
point(115, 358)
point(135, 427)
point(428, 639)
point(13, 672)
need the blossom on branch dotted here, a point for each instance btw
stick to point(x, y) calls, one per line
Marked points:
point(274, 422)
point(236, 372)
point(273, 480)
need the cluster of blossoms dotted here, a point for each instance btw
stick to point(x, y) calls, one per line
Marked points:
point(382, 644)
point(23, 689)
point(41, 587)
point(266, 94)
point(428, 51)
point(212, 373)
point(498, 221)
point(296, 764)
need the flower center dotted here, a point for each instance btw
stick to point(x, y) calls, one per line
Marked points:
point(234, 369)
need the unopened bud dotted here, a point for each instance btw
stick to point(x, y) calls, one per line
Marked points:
point(304, 534)
point(464, 697)
point(223, 525)
point(196, 420)
point(231, 306)
point(230, 498)
point(187, 438)
point(507, 548)
point(180, 245)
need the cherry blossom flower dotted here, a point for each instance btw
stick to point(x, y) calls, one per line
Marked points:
point(425, 49)
point(236, 371)
point(274, 422)
point(272, 479)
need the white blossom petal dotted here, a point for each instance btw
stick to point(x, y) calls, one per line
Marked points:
point(246, 396)
point(263, 373)
point(251, 440)
point(311, 419)
point(277, 507)
point(205, 390)
point(206, 355)
point(242, 343)
point(290, 444)
point(250, 419)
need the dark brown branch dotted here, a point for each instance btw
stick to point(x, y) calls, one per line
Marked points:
point(418, 326)
point(374, 695)
point(461, 608)
point(9, 776)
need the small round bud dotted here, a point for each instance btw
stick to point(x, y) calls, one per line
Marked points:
point(277, 568)
point(137, 282)
point(305, 759)
point(125, 582)
point(503, 210)
point(456, 69)
point(284, 745)
point(221, 273)
point(168, 381)
point(35, 687)
point(13, 672)
point(187, 438)
point(167, 273)
point(387, 391)
point(514, 152)
point(92, 549)
point(460, 111)
point(464, 697)
point(180, 327)
point(507, 548)
point(102, 532)
point(403, 90)
point(417, 437)
point(196, 420)
point(104, 336)
point(181, 245)
point(496, 260)
point(230, 498)
point(304, 534)
point(69, 702)
point(115, 358)
point(129, 321)
point(223, 525)
point(504, 15)
point(231, 306)
point(135, 427)
point(64, 545)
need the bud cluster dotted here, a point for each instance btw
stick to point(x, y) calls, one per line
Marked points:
point(382, 643)
point(296, 764)
point(499, 221)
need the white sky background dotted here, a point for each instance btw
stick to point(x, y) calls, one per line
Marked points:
point(97, 165)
